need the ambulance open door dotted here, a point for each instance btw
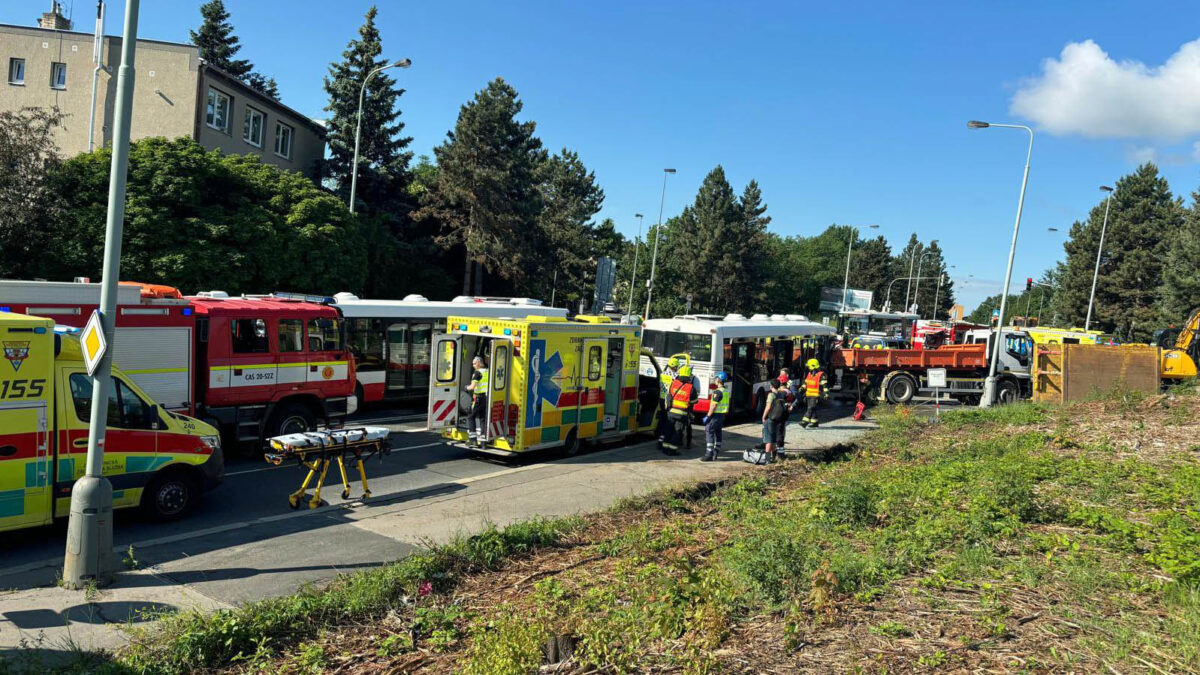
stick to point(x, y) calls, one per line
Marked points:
point(497, 421)
point(595, 370)
point(448, 363)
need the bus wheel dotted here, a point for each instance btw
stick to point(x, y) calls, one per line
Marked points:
point(901, 389)
point(291, 418)
point(169, 496)
point(1007, 392)
point(570, 448)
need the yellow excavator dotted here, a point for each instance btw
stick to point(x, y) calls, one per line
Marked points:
point(1180, 349)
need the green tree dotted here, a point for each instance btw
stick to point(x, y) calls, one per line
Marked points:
point(218, 45)
point(486, 197)
point(904, 268)
point(29, 200)
point(1143, 215)
point(383, 156)
point(263, 85)
point(1180, 293)
point(566, 240)
point(871, 267)
point(203, 220)
point(926, 290)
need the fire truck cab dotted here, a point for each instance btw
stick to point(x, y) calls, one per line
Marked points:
point(268, 366)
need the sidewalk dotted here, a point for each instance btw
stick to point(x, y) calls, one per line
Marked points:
point(221, 567)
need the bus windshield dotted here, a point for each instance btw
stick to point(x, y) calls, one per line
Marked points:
point(663, 343)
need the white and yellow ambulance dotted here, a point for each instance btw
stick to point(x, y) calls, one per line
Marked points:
point(552, 382)
point(154, 459)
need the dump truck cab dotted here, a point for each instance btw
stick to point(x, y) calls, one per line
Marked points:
point(154, 459)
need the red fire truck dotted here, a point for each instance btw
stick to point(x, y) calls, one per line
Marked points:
point(254, 367)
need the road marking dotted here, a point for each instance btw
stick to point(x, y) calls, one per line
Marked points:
point(272, 468)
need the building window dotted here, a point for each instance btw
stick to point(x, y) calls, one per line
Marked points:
point(16, 71)
point(283, 140)
point(58, 75)
point(252, 130)
point(217, 114)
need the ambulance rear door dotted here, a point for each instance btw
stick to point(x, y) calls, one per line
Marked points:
point(25, 448)
point(592, 385)
point(498, 422)
point(448, 362)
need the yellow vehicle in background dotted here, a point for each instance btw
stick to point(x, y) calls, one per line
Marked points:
point(154, 459)
point(1180, 349)
point(1064, 336)
point(552, 382)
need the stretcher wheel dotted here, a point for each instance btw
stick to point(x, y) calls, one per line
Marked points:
point(366, 494)
point(314, 503)
point(346, 493)
point(294, 500)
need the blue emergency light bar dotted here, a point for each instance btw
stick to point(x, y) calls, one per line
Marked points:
point(5, 309)
point(187, 311)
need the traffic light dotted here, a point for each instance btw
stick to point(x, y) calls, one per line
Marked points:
point(1029, 284)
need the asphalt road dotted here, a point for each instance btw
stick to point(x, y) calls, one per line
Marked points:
point(254, 489)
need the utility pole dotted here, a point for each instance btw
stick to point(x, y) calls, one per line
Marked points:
point(1087, 324)
point(89, 556)
point(633, 277)
point(97, 66)
point(657, 236)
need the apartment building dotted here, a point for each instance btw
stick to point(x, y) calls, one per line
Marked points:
point(175, 94)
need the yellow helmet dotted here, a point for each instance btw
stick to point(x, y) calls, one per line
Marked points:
point(813, 364)
point(685, 371)
point(673, 362)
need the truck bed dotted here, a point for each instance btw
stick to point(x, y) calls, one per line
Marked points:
point(951, 357)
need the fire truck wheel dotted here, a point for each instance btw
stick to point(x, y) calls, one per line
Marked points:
point(169, 495)
point(901, 389)
point(570, 448)
point(291, 418)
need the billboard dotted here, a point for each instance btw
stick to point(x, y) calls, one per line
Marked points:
point(831, 299)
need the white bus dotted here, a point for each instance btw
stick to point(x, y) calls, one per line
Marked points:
point(752, 350)
point(390, 339)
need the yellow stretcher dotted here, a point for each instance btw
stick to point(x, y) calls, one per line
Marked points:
point(317, 450)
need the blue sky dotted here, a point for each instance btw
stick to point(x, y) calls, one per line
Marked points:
point(844, 112)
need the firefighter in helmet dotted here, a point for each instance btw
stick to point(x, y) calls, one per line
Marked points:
point(683, 397)
point(714, 422)
point(664, 386)
point(815, 390)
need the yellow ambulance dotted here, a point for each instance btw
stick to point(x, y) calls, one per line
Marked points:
point(551, 383)
point(155, 459)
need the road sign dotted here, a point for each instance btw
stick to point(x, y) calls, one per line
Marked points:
point(995, 313)
point(936, 377)
point(93, 343)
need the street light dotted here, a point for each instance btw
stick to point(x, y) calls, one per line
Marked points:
point(1099, 249)
point(917, 286)
point(846, 279)
point(657, 237)
point(887, 303)
point(937, 294)
point(989, 385)
point(402, 63)
point(633, 278)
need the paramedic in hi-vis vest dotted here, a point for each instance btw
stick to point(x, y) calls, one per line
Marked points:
point(477, 422)
point(683, 399)
point(815, 389)
point(665, 378)
point(718, 406)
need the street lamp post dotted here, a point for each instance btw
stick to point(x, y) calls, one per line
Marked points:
point(917, 286)
point(989, 384)
point(633, 278)
point(657, 237)
point(402, 63)
point(846, 279)
point(888, 301)
point(89, 552)
point(1099, 250)
point(938, 293)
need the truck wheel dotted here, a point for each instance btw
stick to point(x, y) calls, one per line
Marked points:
point(570, 447)
point(169, 495)
point(1007, 392)
point(900, 389)
point(291, 418)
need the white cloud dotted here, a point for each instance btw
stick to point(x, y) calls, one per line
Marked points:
point(1084, 91)
point(1141, 154)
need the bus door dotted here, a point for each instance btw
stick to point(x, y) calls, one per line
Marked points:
point(741, 364)
point(419, 335)
point(592, 390)
point(615, 371)
point(497, 420)
point(397, 359)
point(447, 373)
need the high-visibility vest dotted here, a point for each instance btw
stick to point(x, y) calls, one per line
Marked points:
point(681, 395)
point(481, 386)
point(664, 382)
point(721, 406)
point(812, 383)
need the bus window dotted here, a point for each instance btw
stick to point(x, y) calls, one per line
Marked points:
point(398, 356)
point(654, 340)
point(249, 336)
point(365, 339)
point(696, 345)
point(447, 362)
point(324, 335)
